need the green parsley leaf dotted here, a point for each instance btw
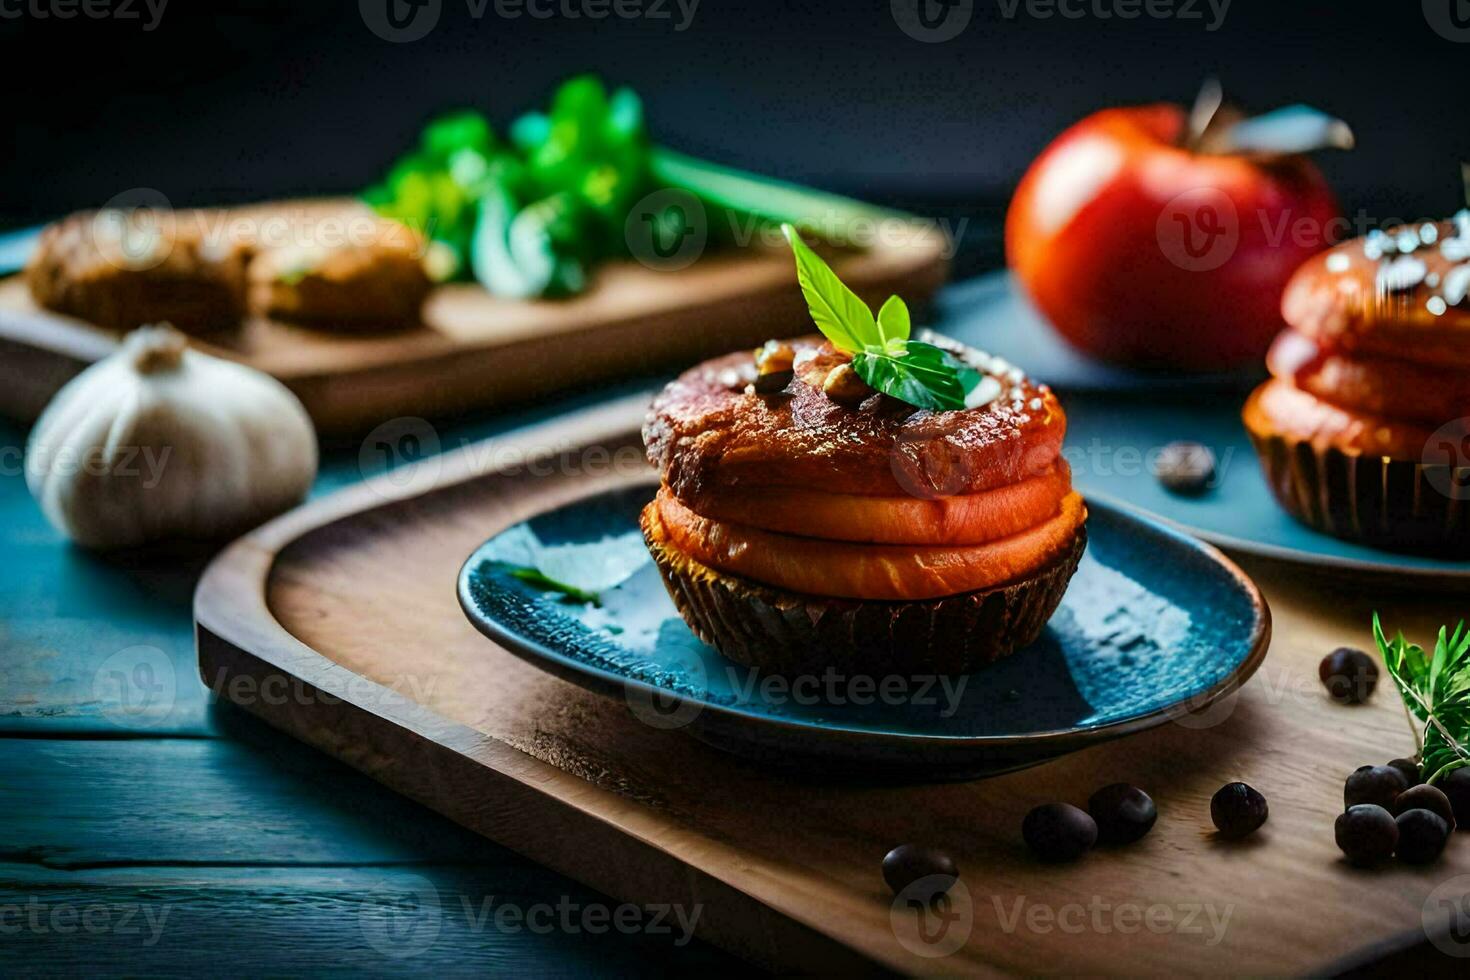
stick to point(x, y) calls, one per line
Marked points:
point(1435, 689)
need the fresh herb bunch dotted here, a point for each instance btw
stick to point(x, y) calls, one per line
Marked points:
point(1436, 691)
point(531, 215)
point(912, 371)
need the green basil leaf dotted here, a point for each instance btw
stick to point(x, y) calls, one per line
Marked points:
point(920, 379)
point(843, 318)
point(893, 322)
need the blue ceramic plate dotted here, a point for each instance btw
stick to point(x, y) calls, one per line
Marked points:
point(1116, 418)
point(1154, 625)
point(990, 313)
point(15, 249)
point(1108, 445)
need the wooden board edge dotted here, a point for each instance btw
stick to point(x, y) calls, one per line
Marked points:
point(52, 348)
point(244, 651)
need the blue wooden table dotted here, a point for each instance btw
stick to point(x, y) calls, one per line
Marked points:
point(146, 830)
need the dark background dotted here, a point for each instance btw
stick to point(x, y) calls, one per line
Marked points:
point(245, 100)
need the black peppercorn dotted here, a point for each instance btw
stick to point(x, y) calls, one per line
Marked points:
point(1374, 784)
point(1349, 675)
point(1238, 810)
point(1410, 769)
point(1422, 836)
point(1058, 832)
point(1426, 798)
point(1123, 813)
point(1186, 468)
point(1366, 833)
point(908, 864)
point(1455, 784)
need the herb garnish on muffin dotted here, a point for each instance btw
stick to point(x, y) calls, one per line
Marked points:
point(883, 354)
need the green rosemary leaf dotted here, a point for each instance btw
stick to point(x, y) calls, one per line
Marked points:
point(1435, 689)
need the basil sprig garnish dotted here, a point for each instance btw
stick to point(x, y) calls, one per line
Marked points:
point(920, 374)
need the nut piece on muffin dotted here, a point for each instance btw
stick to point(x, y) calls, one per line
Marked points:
point(867, 501)
point(122, 268)
point(1361, 426)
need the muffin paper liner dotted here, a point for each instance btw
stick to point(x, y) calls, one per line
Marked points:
point(787, 632)
point(1394, 504)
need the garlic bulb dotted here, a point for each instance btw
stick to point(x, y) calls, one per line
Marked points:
point(158, 442)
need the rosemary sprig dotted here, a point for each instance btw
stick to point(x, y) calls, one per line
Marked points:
point(1435, 689)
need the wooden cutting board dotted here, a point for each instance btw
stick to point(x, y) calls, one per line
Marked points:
point(476, 351)
point(338, 623)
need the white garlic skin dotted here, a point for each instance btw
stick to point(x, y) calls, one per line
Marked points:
point(157, 442)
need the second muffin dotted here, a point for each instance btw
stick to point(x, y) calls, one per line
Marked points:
point(1362, 430)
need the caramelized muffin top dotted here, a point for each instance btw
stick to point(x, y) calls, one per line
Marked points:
point(1399, 293)
point(711, 429)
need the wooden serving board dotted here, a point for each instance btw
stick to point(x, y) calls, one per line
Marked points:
point(346, 610)
point(475, 351)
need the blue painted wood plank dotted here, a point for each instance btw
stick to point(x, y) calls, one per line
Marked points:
point(84, 803)
point(432, 921)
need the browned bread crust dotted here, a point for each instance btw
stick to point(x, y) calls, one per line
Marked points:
point(123, 269)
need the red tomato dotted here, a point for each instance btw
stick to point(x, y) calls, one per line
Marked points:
point(1145, 253)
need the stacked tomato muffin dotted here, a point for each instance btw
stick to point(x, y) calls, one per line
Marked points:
point(815, 522)
point(1363, 430)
